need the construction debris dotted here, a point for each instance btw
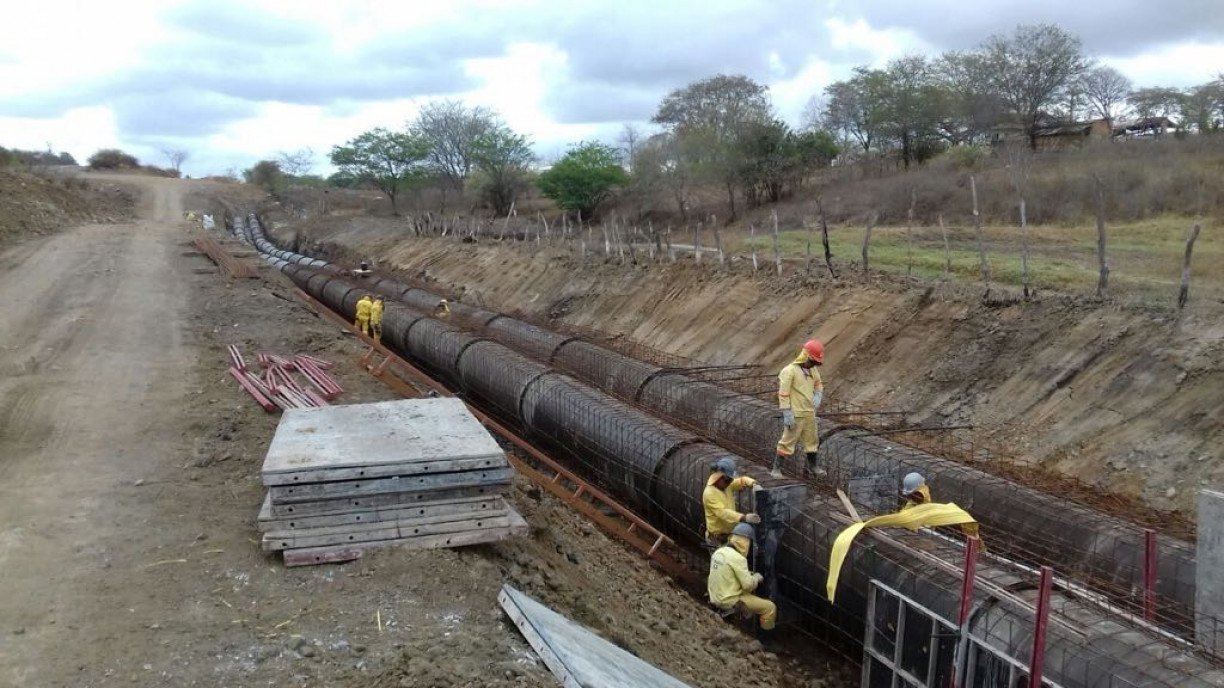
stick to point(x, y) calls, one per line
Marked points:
point(419, 473)
point(575, 655)
point(228, 264)
point(277, 387)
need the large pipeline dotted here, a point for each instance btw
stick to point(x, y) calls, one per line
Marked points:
point(660, 469)
point(1027, 523)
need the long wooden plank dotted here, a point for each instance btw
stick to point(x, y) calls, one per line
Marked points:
point(321, 555)
point(576, 655)
point(323, 475)
point(372, 532)
point(286, 494)
point(346, 504)
point(267, 522)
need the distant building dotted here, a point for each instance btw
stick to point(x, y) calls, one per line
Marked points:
point(1052, 133)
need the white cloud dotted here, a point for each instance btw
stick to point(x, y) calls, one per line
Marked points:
point(236, 80)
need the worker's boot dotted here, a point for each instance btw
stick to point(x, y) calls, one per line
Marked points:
point(776, 471)
point(813, 469)
point(769, 639)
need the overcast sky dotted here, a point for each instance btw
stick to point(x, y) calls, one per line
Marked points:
point(234, 81)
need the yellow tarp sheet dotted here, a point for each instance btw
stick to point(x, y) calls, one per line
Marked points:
point(921, 516)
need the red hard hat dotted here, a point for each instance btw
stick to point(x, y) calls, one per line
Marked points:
point(815, 350)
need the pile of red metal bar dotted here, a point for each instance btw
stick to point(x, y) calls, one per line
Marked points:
point(298, 381)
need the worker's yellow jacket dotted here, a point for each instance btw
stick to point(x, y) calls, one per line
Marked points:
point(376, 311)
point(363, 308)
point(729, 576)
point(720, 513)
point(796, 385)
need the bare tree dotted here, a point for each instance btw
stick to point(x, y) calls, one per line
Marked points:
point(630, 140)
point(1029, 70)
point(452, 130)
point(824, 237)
point(1106, 90)
point(296, 163)
point(176, 157)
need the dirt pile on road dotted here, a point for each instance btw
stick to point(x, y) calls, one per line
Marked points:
point(31, 203)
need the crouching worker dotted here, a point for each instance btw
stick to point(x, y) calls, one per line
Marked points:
point(731, 584)
point(718, 499)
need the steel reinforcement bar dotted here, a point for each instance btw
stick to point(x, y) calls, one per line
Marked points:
point(1102, 551)
point(659, 470)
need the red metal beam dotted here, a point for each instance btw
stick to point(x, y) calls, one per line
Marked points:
point(1040, 624)
point(251, 389)
point(970, 573)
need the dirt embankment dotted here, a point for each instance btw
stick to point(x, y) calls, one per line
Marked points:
point(129, 488)
point(40, 203)
point(1123, 400)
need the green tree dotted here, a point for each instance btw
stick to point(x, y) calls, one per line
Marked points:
point(708, 118)
point(389, 160)
point(857, 109)
point(113, 159)
point(266, 174)
point(584, 178)
point(504, 160)
point(1028, 71)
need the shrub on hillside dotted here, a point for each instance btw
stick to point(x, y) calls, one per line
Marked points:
point(113, 159)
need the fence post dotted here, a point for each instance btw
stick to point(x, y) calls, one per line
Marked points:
point(966, 602)
point(1149, 574)
point(1040, 624)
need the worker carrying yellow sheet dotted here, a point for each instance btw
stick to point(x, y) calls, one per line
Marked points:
point(915, 517)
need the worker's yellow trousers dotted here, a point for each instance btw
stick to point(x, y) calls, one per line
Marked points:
point(363, 324)
point(765, 610)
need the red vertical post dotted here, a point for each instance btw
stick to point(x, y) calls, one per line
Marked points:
point(966, 600)
point(1149, 574)
point(1040, 622)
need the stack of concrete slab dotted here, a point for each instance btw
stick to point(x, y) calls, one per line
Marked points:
point(417, 473)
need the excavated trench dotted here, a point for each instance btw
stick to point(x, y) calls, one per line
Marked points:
point(659, 469)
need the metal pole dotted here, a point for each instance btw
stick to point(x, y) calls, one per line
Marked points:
point(1149, 574)
point(966, 602)
point(1042, 620)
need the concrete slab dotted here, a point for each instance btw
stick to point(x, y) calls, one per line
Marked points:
point(480, 505)
point(575, 655)
point(284, 494)
point(340, 505)
point(322, 555)
point(378, 434)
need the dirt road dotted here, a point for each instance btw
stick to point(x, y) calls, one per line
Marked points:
point(92, 353)
point(129, 484)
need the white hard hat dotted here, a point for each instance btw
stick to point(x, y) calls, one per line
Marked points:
point(912, 482)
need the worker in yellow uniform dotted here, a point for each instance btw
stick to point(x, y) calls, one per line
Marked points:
point(731, 583)
point(800, 391)
point(376, 313)
point(718, 498)
point(914, 491)
point(442, 310)
point(364, 305)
